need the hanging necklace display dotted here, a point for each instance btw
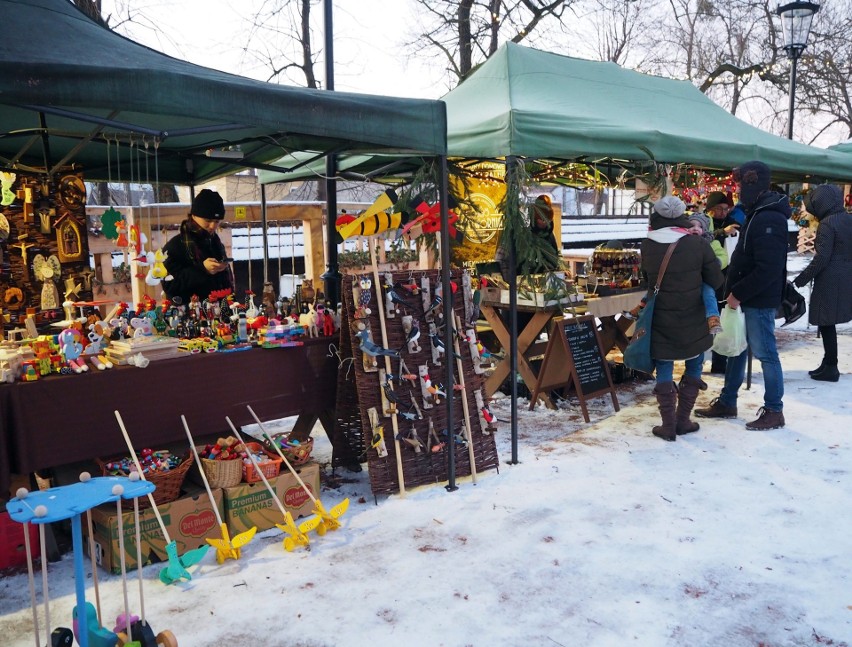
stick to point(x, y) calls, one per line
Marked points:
point(111, 217)
point(157, 272)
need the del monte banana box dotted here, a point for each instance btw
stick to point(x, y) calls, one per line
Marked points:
point(189, 521)
point(250, 504)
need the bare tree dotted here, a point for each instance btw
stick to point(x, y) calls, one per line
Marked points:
point(282, 41)
point(824, 86)
point(461, 34)
point(611, 30)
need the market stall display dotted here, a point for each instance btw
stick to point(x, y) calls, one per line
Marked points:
point(417, 398)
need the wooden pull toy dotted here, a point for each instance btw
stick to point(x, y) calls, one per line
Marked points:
point(295, 535)
point(328, 520)
point(226, 548)
point(175, 570)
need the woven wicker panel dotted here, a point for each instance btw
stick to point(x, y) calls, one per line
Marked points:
point(347, 440)
point(423, 467)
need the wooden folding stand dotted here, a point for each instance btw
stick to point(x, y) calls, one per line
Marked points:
point(575, 357)
point(526, 346)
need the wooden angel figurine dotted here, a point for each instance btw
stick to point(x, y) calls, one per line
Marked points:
point(46, 270)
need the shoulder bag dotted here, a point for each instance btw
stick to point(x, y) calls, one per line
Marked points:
point(637, 355)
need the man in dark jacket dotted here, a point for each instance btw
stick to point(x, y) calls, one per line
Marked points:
point(196, 257)
point(756, 278)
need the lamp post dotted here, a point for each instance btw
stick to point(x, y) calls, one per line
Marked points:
point(796, 20)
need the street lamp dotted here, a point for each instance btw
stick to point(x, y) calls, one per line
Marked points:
point(796, 20)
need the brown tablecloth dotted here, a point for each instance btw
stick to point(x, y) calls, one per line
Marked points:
point(65, 419)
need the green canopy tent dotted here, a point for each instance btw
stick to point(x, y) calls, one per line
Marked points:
point(543, 106)
point(535, 104)
point(70, 87)
point(844, 147)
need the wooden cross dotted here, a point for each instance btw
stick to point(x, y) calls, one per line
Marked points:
point(23, 246)
point(87, 275)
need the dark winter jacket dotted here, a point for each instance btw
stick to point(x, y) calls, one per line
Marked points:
point(757, 273)
point(831, 268)
point(679, 329)
point(186, 253)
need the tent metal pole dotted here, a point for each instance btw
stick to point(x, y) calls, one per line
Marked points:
point(263, 223)
point(449, 325)
point(511, 185)
point(45, 141)
point(331, 278)
point(135, 128)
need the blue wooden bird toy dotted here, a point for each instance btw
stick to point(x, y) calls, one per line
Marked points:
point(372, 349)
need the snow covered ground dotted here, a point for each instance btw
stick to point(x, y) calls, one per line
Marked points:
point(602, 535)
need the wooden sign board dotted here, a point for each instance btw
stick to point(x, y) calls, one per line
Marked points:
point(575, 357)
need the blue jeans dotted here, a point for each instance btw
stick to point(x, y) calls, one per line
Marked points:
point(760, 332)
point(708, 295)
point(664, 368)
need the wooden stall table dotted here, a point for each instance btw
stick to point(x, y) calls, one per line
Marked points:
point(63, 419)
point(613, 328)
point(528, 344)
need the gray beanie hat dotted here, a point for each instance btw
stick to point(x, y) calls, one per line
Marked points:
point(669, 207)
point(824, 200)
point(702, 218)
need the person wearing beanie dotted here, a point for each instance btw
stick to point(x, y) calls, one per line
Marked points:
point(679, 330)
point(700, 226)
point(196, 259)
point(830, 270)
point(756, 279)
point(717, 209)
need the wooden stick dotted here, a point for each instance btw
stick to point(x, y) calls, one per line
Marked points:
point(257, 468)
point(465, 409)
point(281, 454)
point(142, 476)
point(201, 469)
point(388, 367)
point(94, 565)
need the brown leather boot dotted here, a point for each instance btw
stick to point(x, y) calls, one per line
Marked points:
point(766, 420)
point(687, 394)
point(666, 393)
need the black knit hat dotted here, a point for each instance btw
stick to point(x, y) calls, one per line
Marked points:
point(208, 205)
point(754, 178)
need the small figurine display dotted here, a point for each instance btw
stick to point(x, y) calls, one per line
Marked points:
point(218, 322)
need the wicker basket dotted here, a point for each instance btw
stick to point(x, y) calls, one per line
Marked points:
point(295, 454)
point(270, 467)
point(168, 484)
point(222, 473)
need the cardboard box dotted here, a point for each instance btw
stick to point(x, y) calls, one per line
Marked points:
point(189, 520)
point(250, 504)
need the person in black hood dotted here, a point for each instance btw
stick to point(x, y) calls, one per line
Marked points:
point(830, 270)
point(196, 259)
point(755, 283)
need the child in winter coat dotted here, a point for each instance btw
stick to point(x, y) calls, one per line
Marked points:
point(701, 227)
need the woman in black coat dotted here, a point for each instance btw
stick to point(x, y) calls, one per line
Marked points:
point(830, 270)
point(679, 330)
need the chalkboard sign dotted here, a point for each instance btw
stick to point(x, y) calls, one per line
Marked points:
point(582, 337)
point(574, 358)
